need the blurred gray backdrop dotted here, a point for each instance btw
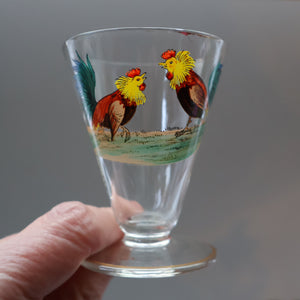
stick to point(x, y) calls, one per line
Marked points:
point(245, 197)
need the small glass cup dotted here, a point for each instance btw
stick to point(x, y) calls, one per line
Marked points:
point(145, 95)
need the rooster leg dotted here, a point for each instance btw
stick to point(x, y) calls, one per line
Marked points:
point(186, 128)
point(125, 132)
point(188, 123)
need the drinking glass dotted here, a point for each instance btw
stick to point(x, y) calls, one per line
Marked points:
point(145, 94)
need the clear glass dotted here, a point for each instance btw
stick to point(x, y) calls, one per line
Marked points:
point(145, 95)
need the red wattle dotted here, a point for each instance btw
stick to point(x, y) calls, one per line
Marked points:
point(142, 87)
point(169, 76)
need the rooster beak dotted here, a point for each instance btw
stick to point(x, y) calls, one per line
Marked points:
point(144, 76)
point(162, 65)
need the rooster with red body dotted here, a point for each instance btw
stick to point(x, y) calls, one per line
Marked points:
point(116, 109)
point(190, 88)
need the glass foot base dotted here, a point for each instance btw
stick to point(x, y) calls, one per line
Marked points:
point(180, 255)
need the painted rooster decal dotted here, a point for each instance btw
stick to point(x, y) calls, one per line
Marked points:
point(116, 109)
point(190, 88)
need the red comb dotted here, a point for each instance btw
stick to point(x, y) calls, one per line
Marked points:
point(133, 72)
point(168, 54)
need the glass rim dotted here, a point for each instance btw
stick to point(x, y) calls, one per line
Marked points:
point(179, 30)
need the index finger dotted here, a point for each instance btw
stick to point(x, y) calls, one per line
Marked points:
point(48, 251)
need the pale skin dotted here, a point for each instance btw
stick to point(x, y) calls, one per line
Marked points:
point(43, 260)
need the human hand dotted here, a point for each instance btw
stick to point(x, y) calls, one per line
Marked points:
point(43, 260)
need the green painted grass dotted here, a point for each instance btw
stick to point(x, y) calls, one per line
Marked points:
point(150, 148)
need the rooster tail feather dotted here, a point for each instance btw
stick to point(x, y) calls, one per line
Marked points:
point(86, 82)
point(213, 82)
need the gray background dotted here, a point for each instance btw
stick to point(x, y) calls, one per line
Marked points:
point(244, 198)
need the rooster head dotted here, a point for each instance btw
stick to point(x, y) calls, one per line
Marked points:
point(137, 79)
point(178, 66)
point(132, 86)
point(170, 63)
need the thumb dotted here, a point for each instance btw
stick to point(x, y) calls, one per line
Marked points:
point(45, 254)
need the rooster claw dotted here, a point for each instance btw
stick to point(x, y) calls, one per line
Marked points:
point(179, 133)
point(125, 132)
point(182, 132)
point(127, 138)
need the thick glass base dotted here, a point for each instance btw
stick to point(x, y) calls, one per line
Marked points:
point(172, 258)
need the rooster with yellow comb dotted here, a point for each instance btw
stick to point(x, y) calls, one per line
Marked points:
point(116, 109)
point(190, 88)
